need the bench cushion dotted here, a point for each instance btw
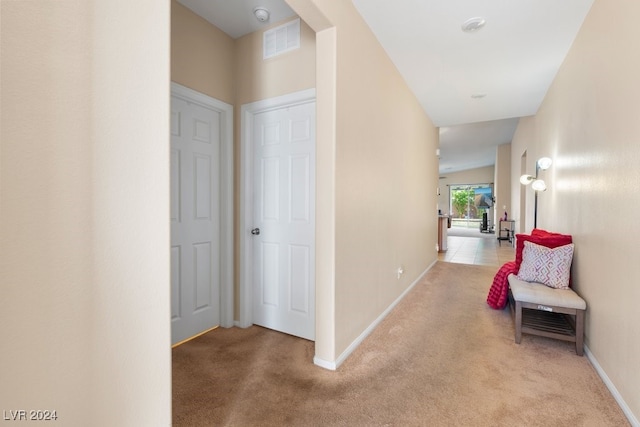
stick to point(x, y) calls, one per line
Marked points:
point(537, 293)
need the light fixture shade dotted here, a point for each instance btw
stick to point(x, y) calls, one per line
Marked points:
point(526, 179)
point(473, 24)
point(539, 185)
point(544, 163)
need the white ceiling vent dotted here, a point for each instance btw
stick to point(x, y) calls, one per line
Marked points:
point(281, 39)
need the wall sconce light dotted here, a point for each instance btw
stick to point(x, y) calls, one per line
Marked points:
point(537, 184)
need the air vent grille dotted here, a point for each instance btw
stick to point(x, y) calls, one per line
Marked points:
point(279, 40)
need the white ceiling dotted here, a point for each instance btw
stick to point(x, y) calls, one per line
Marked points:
point(473, 145)
point(512, 59)
point(235, 17)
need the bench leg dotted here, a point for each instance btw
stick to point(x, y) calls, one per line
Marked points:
point(579, 332)
point(518, 322)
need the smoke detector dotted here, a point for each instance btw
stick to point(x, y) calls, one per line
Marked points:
point(261, 13)
point(473, 24)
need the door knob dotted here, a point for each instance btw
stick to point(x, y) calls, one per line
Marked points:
point(255, 231)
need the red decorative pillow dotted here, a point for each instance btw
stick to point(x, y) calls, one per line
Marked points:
point(543, 238)
point(543, 233)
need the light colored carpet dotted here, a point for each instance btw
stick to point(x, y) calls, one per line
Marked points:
point(443, 357)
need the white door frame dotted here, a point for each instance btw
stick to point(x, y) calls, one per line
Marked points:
point(226, 193)
point(248, 111)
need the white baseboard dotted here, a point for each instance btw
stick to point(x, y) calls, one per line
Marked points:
point(334, 365)
point(633, 420)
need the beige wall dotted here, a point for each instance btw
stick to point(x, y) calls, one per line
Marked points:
point(386, 175)
point(259, 78)
point(588, 124)
point(202, 56)
point(385, 164)
point(207, 60)
point(483, 175)
point(523, 162)
point(387, 156)
point(502, 183)
point(83, 246)
point(471, 176)
point(84, 255)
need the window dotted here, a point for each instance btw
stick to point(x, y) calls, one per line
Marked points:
point(468, 202)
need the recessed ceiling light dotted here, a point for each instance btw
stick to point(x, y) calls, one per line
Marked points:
point(478, 95)
point(473, 24)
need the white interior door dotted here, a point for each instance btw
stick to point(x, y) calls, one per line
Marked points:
point(283, 228)
point(195, 219)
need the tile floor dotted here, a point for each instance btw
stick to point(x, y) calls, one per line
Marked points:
point(478, 251)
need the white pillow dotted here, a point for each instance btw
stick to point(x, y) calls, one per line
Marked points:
point(549, 266)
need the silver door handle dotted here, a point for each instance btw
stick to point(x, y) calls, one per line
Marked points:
point(255, 231)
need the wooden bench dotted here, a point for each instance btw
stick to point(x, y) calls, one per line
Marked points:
point(544, 311)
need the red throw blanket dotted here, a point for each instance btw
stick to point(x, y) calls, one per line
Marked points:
point(497, 297)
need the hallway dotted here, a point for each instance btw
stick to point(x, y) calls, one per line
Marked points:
point(477, 251)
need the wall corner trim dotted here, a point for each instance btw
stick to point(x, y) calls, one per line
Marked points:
point(332, 366)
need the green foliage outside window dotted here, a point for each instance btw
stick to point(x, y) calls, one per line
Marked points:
point(463, 200)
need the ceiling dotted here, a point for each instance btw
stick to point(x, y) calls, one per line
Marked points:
point(473, 85)
point(235, 17)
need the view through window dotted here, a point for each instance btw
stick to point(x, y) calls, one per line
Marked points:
point(468, 202)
